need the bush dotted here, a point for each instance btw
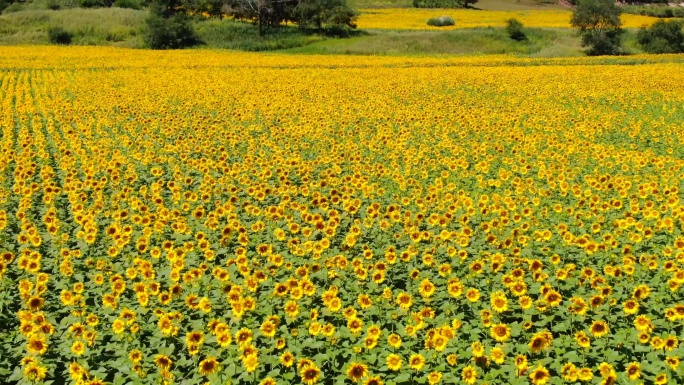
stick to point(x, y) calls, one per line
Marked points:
point(662, 37)
point(131, 4)
point(3, 4)
point(170, 33)
point(14, 7)
point(514, 28)
point(442, 21)
point(58, 35)
point(53, 5)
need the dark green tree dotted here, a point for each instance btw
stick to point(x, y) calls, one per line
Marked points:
point(168, 26)
point(515, 31)
point(600, 26)
point(662, 37)
point(325, 14)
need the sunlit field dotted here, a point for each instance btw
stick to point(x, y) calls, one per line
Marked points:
point(415, 19)
point(214, 217)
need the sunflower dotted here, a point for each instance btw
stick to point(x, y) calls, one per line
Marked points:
point(357, 371)
point(539, 376)
point(643, 324)
point(268, 329)
point(661, 379)
point(473, 295)
point(37, 344)
point(208, 366)
point(287, 359)
point(310, 374)
point(35, 372)
point(404, 301)
point(416, 362)
point(394, 341)
point(539, 342)
point(499, 302)
point(498, 355)
point(469, 375)
point(631, 307)
point(163, 362)
point(78, 348)
point(135, 355)
point(434, 378)
point(426, 288)
point(355, 325)
point(633, 371)
point(606, 369)
point(501, 332)
point(268, 381)
point(394, 362)
point(582, 339)
point(525, 302)
point(585, 375)
point(569, 372)
point(599, 329)
point(250, 362)
point(375, 380)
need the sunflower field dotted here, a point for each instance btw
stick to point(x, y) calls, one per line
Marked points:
point(415, 18)
point(210, 217)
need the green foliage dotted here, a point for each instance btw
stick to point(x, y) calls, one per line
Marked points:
point(3, 5)
point(661, 11)
point(332, 15)
point(173, 32)
point(441, 21)
point(131, 4)
point(662, 37)
point(600, 26)
point(53, 5)
point(515, 31)
point(443, 3)
point(58, 35)
point(14, 7)
point(237, 35)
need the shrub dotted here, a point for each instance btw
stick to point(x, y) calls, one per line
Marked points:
point(53, 5)
point(170, 33)
point(132, 4)
point(14, 7)
point(3, 4)
point(442, 21)
point(662, 37)
point(514, 28)
point(58, 35)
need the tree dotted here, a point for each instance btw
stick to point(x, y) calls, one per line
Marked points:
point(331, 15)
point(263, 12)
point(515, 31)
point(325, 14)
point(662, 37)
point(600, 26)
point(168, 26)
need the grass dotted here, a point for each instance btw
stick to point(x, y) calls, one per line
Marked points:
point(243, 36)
point(104, 26)
point(540, 43)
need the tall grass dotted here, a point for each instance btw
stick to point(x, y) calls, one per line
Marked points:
point(243, 36)
point(488, 40)
point(104, 26)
